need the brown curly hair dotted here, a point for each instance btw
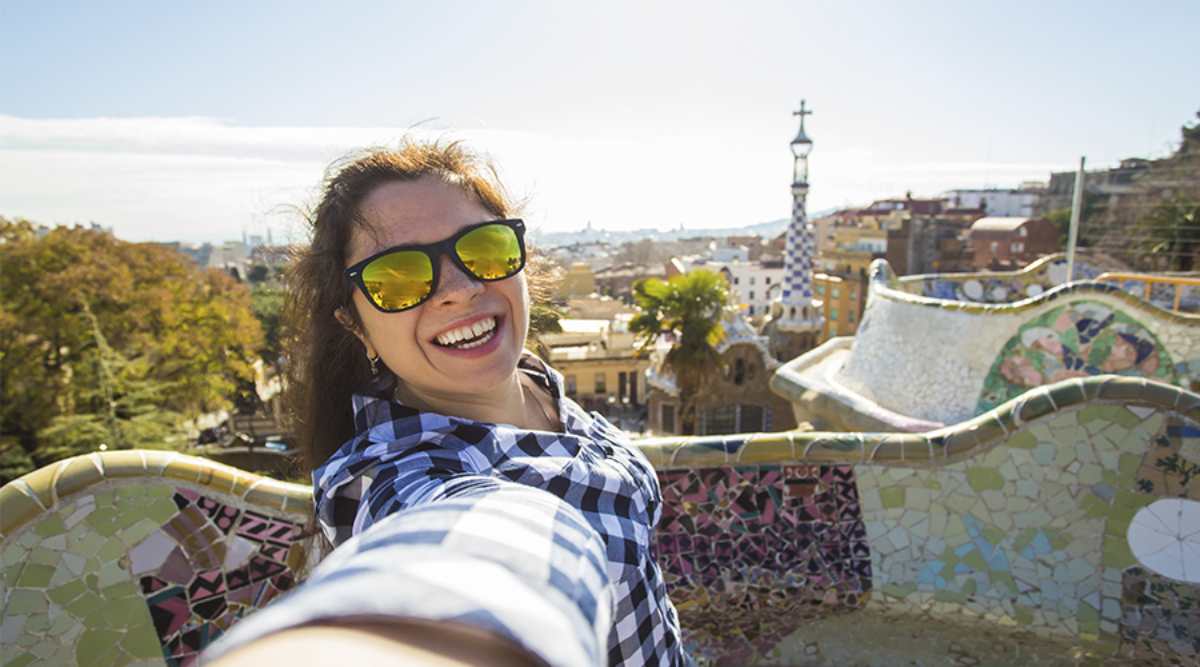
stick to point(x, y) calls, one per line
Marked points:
point(327, 363)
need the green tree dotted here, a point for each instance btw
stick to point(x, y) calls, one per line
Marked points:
point(688, 308)
point(267, 303)
point(105, 341)
point(544, 318)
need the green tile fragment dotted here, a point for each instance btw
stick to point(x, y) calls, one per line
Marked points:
point(975, 561)
point(1024, 538)
point(37, 624)
point(1129, 464)
point(85, 604)
point(1022, 615)
point(45, 556)
point(984, 479)
point(1058, 539)
point(67, 592)
point(892, 497)
point(112, 550)
point(1093, 412)
point(12, 573)
point(161, 510)
point(945, 595)
point(21, 660)
point(142, 642)
point(1093, 506)
point(127, 493)
point(130, 612)
point(1116, 552)
point(95, 646)
point(1119, 414)
point(25, 602)
point(104, 520)
point(1005, 580)
point(1024, 440)
point(35, 575)
point(899, 590)
point(993, 535)
point(1089, 619)
point(50, 526)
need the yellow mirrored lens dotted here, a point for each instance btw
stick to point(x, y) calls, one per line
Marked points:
point(399, 280)
point(491, 252)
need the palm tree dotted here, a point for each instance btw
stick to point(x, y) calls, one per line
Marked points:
point(689, 307)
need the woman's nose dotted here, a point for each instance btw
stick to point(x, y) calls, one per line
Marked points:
point(454, 285)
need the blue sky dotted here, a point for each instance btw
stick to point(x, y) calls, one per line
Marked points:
point(198, 121)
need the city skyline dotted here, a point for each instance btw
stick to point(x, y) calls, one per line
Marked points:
point(192, 126)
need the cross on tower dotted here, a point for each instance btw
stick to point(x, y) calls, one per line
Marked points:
point(802, 113)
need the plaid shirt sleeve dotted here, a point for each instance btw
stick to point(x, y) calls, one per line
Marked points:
point(494, 554)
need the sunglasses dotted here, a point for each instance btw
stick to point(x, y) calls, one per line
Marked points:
point(406, 276)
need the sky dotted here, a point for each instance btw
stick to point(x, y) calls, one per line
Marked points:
point(202, 121)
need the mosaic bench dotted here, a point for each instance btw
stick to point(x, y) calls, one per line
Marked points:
point(917, 363)
point(1062, 526)
point(1040, 275)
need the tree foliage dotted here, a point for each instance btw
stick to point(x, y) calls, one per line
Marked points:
point(108, 342)
point(688, 308)
point(267, 303)
point(1153, 224)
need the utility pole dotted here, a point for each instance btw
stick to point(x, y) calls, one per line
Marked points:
point(1076, 211)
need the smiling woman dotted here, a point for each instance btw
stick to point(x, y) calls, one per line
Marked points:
point(473, 507)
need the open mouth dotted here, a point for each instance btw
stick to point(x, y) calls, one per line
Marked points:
point(469, 336)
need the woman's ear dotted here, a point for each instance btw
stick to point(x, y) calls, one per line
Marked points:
point(347, 321)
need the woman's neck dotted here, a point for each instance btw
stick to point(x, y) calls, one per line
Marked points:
point(508, 403)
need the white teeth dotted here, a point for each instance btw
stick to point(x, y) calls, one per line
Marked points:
point(464, 333)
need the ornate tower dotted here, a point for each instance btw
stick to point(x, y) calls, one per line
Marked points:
point(799, 314)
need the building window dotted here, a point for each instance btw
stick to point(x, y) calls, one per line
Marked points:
point(751, 280)
point(833, 313)
point(736, 280)
point(853, 317)
point(600, 386)
point(1022, 232)
point(752, 419)
point(768, 278)
point(995, 245)
point(668, 418)
point(751, 295)
point(750, 310)
point(836, 292)
point(720, 420)
point(570, 385)
point(819, 289)
point(1018, 247)
point(739, 372)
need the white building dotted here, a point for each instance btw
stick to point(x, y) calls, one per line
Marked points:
point(721, 252)
point(750, 284)
point(996, 202)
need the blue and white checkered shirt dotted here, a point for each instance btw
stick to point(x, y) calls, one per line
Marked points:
point(406, 464)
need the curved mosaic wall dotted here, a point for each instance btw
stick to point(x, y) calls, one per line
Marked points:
point(916, 359)
point(1064, 523)
point(998, 286)
point(1077, 339)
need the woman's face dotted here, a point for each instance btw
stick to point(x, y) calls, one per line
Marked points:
point(420, 212)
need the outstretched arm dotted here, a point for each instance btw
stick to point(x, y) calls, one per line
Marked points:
point(489, 564)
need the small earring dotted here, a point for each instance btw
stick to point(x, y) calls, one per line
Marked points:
point(374, 364)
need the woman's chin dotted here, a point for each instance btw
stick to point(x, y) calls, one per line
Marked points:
point(482, 365)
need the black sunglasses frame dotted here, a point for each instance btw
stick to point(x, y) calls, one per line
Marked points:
point(435, 251)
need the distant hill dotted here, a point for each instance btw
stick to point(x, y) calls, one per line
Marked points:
point(769, 229)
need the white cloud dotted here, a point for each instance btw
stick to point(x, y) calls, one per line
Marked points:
point(202, 179)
